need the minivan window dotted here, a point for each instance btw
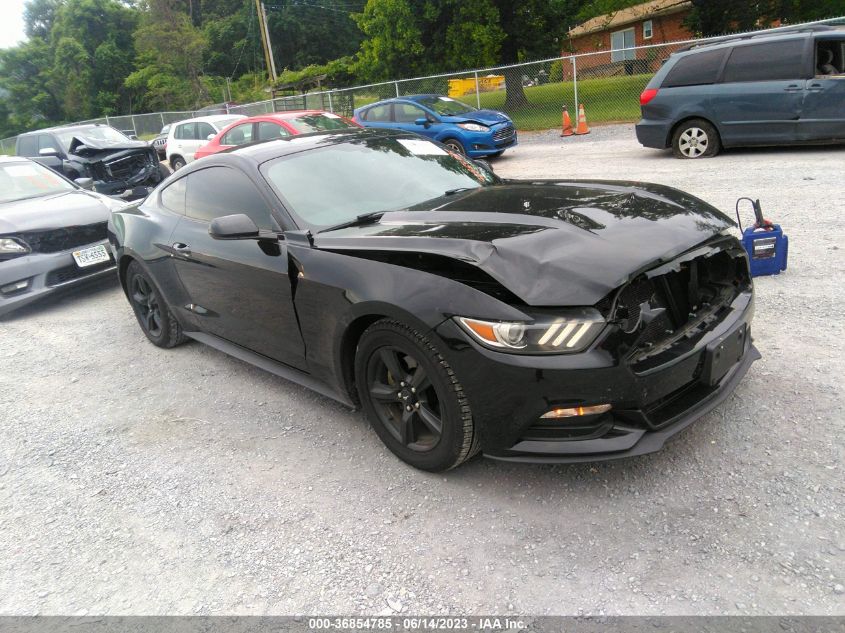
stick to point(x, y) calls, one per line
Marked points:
point(773, 61)
point(695, 70)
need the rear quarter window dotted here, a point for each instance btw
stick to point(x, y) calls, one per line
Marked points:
point(773, 61)
point(698, 69)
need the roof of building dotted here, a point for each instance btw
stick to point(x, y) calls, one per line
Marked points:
point(638, 12)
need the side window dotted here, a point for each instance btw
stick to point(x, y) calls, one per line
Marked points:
point(28, 146)
point(830, 58)
point(773, 61)
point(697, 69)
point(186, 131)
point(407, 113)
point(378, 114)
point(173, 196)
point(203, 130)
point(219, 191)
point(45, 141)
point(238, 135)
point(270, 131)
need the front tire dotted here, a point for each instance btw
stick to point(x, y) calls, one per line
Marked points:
point(455, 145)
point(177, 163)
point(153, 314)
point(412, 398)
point(695, 138)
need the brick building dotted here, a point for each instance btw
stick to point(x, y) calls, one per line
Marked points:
point(654, 22)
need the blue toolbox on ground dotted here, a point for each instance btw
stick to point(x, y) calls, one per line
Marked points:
point(766, 244)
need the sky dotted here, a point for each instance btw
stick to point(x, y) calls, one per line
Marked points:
point(11, 22)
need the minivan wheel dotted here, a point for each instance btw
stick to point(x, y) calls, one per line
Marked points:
point(412, 398)
point(695, 138)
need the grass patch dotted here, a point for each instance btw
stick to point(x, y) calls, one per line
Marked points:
point(606, 99)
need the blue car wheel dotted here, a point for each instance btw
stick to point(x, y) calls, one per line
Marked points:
point(455, 145)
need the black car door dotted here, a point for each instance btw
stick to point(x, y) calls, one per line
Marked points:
point(239, 289)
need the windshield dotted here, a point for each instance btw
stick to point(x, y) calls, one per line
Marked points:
point(29, 180)
point(102, 133)
point(445, 106)
point(337, 183)
point(318, 123)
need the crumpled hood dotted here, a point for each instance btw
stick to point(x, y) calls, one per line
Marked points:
point(74, 208)
point(84, 146)
point(487, 117)
point(551, 243)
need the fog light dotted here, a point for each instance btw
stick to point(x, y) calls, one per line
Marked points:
point(574, 412)
point(15, 287)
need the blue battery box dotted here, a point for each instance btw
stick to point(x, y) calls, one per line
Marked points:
point(766, 244)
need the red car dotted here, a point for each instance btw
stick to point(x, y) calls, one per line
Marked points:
point(270, 127)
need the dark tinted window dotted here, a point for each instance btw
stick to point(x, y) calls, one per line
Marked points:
point(204, 130)
point(783, 60)
point(407, 113)
point(271, 131)
point(378, 113)
point(695, 70)
point(238, 135)
point(173, 196)
point(186, 131)
point(28, 146)
point(219, 191)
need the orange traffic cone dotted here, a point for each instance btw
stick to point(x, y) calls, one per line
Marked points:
point(582, 121)
point(566, 126)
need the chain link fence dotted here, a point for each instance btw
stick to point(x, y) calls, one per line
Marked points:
point(608, 83)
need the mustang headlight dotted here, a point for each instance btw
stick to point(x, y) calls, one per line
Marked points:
point(13, 246)
point(474, 127)
point(571, 331)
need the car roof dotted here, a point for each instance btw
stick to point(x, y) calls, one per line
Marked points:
point(13, 159)
point(212, 118)
point(65, 128)
point(757, 37)
point(263, 151)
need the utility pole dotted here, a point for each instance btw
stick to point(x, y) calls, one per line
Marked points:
point(265, 40)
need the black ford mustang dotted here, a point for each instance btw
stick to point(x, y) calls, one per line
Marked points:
point(546, 321)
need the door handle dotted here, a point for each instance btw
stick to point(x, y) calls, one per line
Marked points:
point(793, 88)
point(815, 87)
point(181, 249)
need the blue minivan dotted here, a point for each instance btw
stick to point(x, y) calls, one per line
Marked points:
point(758, 89)
point(470, 131)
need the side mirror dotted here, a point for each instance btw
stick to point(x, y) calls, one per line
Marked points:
point(484, 164)
point(85, 183)
point(48, 151)
point(233, 227)
point(133, 137)
point(209, 137)
point(422, 121)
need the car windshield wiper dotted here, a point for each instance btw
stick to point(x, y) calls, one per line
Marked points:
point(452, 192)
point(364, 218)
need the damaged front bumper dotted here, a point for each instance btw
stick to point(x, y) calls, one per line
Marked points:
point(509, 394)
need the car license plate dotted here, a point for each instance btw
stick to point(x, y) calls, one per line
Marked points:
point(724, 353)
point(90, 256)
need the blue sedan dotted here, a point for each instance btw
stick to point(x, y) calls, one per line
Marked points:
point(476, 133)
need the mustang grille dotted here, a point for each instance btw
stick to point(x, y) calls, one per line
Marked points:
point(64, 239)
point(657, 314)
point(503, 133)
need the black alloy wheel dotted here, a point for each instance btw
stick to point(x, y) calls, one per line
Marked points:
point(153, 314)
point(412, 398)
point(404, 399)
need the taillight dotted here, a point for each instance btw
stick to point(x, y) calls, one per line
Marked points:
point(647, 95)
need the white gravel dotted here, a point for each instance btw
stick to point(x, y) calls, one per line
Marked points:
point(140, 481)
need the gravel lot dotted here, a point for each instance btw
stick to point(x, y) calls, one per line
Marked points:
point(135, 480)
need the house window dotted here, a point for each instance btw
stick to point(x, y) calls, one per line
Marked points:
point(619, 41)
point(648, 30)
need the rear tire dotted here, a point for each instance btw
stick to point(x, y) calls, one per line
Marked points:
point(412, 398)
point(695, 138)
point(154, 316)
point(177, 163)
